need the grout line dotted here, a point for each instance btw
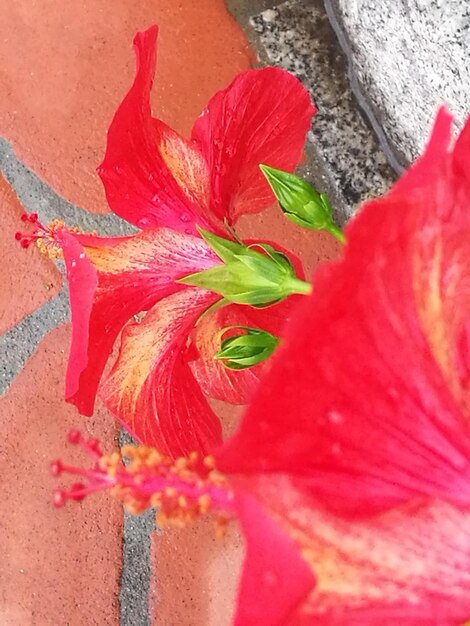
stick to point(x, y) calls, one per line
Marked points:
point(21, 341)
point(136, 568)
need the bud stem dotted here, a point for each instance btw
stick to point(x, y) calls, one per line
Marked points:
point(300, 286)
point(336, 232)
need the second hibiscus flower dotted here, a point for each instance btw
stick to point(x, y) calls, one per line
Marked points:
point(169, 187)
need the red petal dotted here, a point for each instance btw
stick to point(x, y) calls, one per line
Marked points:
point(408, 566)
point(82, 278)
point(217, 381)
point(368, 399)
point(112, 280)
point(152, 391)
point(152, 176)
point(261, 117)
point(275, 578)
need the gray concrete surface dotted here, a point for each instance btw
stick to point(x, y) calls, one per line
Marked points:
point(298, 37)
point(406, 58)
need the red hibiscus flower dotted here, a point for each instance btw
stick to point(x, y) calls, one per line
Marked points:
point(358, 441)
point(168, 186)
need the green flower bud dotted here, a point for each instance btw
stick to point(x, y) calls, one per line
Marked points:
point(248, 276)
point(246, 350)
point(300, 202)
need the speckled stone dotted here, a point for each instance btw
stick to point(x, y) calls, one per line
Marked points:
point(407, 57)
point(298, 37)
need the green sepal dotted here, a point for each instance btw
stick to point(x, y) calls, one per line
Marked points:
point(279, 258)
point(246, 350)
point(247, 276)
point(225, 249)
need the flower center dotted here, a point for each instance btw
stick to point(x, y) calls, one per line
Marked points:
point(182, 489)
point(45, 237)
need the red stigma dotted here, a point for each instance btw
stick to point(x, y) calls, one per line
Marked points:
point(74, 437)
point(94, 446)
point(59, 498)
point(45, 237)
point(56, 467)
point(77, 492)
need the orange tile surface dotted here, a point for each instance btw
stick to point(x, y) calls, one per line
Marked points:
point(58, 566)
point(195, 575)
point(66, 66)
point(27, 278)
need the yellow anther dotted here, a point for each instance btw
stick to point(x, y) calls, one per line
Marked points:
point(209, 462)
point(183, 502)
point(204, 503)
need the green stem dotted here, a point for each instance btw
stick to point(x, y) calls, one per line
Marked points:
point(299, 286)
point(336, 232)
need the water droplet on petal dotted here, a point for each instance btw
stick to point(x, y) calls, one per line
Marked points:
point(335, 417)
point(185, 217)
point(336, 449)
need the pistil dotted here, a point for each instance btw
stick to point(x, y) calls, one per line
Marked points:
point(45, 237)
point(181, 490)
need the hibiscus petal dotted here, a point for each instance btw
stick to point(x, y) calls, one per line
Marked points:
point(152, 176)
point(261, 117)
point(408, 566)
point(110, 280)
point(270, 588)
point(369, 398)
point(216, 380)
point(83, 282)
point(151, 390)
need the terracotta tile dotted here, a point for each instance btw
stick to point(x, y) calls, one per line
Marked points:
point(66, 66)
point(27, 278)
point(195, 575)
point(58, 566)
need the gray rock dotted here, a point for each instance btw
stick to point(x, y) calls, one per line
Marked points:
point(407, 57)
point(298, 37)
